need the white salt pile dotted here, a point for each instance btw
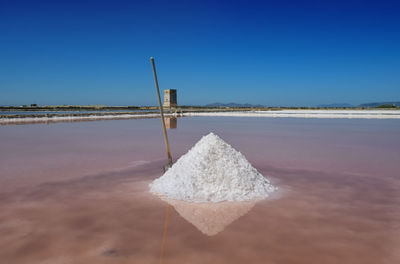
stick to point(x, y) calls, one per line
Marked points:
point(212, 171)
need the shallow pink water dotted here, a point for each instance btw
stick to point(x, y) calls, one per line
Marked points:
point(77, 193)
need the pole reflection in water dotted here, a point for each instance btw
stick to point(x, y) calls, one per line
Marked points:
point(168, 213)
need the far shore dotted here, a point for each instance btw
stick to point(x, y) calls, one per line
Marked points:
point(192, 112)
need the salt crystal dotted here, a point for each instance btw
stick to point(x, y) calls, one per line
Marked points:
point(212, 171)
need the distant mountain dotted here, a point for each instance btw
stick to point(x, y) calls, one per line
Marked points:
point(336, 105)
point(232, 105)
point(376, 104)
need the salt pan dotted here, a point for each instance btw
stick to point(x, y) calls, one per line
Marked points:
point(212, 171)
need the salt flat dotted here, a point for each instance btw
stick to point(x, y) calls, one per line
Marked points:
point(295, 113)
point(365, 114)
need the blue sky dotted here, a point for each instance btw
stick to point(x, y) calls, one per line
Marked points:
point(300, 53)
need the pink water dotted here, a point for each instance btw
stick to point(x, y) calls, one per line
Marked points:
point(78, 193)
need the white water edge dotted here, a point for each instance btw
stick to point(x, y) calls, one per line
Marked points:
point(22, 120)
point(350, 114)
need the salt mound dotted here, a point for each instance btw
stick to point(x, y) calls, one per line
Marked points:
point(212, 171)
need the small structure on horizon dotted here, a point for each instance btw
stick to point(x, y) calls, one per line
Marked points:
point(170, 98)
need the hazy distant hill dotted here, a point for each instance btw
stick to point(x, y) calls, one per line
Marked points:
point(232, 105)
point(336, 105)
point(376, 104)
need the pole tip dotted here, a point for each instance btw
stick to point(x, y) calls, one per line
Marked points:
point(151, 58)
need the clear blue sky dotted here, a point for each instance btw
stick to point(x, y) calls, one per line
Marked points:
point(261, 52)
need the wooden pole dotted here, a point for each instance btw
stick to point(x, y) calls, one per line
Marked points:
point(161, 112)
point(169, 158)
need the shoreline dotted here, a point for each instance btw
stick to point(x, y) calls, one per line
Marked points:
point(73, 118)
point(347, 114)
point(324, 114)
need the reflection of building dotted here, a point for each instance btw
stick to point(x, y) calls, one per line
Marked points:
point(171, 122)
point(170, 98)
point(211, 218)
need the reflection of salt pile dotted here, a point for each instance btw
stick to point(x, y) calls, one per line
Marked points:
point(211, 218)
point(212, 171)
